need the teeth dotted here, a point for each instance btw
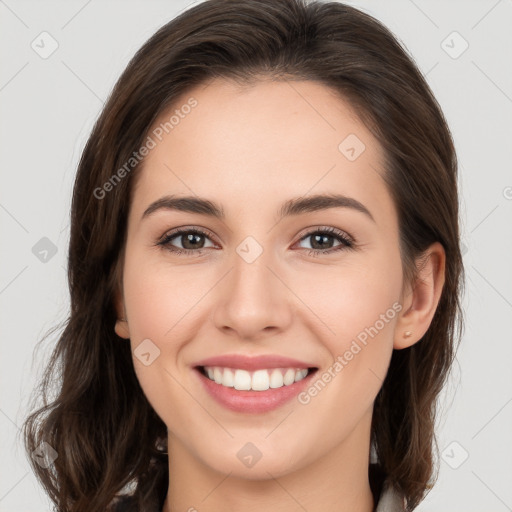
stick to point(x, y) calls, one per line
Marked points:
point(242, 380)
point(217, 375)
point(259, 380)
point(276, 379)
point(228, 378)
point(289, 377)
point(300, 374)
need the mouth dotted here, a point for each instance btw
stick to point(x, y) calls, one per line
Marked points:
point(254, 387)
point(259, 380)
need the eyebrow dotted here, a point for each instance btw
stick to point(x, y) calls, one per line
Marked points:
point(295, 206)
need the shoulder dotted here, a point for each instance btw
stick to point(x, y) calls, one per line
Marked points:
point(390, 500)
point(130, 502)
point(150, 498)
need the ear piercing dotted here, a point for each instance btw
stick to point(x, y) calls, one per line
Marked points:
point(407, 334)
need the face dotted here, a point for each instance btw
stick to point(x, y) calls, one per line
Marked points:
point(272, 286)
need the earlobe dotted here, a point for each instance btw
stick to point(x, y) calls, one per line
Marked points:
point(423, 299)
point(121, 326)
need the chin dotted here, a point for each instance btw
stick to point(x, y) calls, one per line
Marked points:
point(254, 458)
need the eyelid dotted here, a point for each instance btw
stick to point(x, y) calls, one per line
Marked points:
point(346, 240)
point(172, 233)
point(331, 230)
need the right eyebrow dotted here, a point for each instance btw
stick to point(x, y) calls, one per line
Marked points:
point(185, 204)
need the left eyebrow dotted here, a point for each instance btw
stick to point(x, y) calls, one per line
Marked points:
point(318, 202)
point(295, 206)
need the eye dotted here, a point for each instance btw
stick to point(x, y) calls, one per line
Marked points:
point(191, 241)
point(323, 240)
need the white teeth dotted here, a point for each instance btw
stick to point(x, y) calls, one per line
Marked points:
point(289, 377)
point(276, 379)
point(242, 380)
point(228, 378)
point(300, 374)
point(259, 380)
point(217, 375)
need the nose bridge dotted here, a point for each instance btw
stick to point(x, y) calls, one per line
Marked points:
point(253, 298)
point(253, 278)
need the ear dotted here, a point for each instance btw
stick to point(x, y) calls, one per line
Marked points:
point(121, 326)
point(419, 302)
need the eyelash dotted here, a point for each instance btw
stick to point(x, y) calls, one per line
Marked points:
point(346, 241)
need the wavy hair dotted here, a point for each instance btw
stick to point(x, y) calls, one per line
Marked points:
point(99, 422)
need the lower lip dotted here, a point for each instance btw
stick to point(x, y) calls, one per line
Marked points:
point(253, 401)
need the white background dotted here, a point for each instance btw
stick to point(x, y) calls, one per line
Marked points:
point(48, 107)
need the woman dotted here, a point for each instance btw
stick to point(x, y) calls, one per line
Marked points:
point(264, 272)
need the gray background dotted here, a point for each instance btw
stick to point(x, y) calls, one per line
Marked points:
point(48, 107)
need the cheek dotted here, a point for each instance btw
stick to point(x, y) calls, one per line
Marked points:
point(160, 305)
point(352, 297)
point(161, 299)
point(163, 305)
point(360, 308)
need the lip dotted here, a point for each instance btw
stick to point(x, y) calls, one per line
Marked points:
point(253, 402)
point(253, 363)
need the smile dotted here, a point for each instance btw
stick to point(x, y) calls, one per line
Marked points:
point(253, 384)
point(259, 380)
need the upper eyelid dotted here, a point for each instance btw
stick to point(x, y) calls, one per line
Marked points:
point(182, 230)
point(332, 231)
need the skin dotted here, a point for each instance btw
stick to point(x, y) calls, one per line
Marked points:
point(249, 149)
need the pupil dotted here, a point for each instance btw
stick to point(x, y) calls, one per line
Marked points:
point(190, 238)
point(320, 239)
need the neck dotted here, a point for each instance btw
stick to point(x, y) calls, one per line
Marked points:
point(334, 482)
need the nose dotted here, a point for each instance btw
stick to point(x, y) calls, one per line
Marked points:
point(253, 301)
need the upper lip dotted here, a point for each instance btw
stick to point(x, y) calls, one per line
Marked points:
point(251, 363)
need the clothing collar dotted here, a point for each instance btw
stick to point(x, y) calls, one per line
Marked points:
point(390, 500)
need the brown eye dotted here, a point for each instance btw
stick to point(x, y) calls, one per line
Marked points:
point(186, 241)
point(324, 241)
point(192, 241)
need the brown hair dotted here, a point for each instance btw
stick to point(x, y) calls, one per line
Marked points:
point(100, 423)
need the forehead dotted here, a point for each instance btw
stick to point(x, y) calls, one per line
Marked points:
point(262, 144)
